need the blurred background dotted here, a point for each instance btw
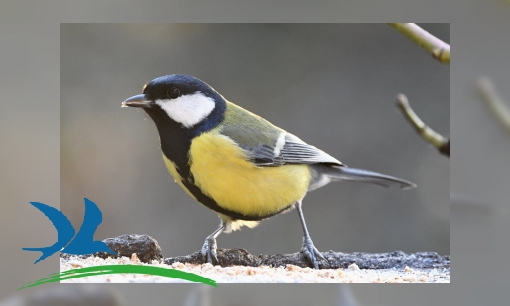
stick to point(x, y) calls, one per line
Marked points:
point(480, 168)
point(333, 85)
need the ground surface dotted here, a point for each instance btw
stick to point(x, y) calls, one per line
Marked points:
point(262, 274)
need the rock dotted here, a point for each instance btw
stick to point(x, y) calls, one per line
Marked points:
point(146, 248)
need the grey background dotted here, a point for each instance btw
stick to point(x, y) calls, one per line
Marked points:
point(29, 119)
point(333, 85)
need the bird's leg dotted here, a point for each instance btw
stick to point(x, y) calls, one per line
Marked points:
point(308, 249)
point(209, 247)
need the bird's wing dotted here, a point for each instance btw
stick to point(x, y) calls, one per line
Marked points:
point(288, 149)
point(268, 145)
point(83, 242)
point(62, 225)
point(296, 151)
point(91, 220)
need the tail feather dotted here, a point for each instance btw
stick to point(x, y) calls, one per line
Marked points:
point(46, 252)
point(360, 175)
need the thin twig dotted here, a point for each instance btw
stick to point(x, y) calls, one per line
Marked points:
point(437, 140)
point(438, 48)
point(495, 101)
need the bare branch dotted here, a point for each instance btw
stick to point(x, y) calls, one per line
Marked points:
point(496, 103)
point(438, 48)
point(437, 140)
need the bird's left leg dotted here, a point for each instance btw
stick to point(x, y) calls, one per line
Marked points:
point(209, 247)
point(308, 249)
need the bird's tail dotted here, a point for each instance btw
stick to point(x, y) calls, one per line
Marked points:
point(34, 249)
point(359, 175)
point(47, 252)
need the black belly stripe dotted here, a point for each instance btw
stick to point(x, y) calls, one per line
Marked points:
point(176, 143)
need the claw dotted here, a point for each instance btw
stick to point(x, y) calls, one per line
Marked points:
point(209, 251)
point(311, 253)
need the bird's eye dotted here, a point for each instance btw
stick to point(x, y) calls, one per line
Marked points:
point(173, 92)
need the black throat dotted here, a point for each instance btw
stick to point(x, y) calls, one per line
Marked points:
point(176, 139)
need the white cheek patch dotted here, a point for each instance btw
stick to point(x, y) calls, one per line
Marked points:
point(189, 109)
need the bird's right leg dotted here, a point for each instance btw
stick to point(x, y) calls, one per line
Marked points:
point(209, 247)
point(309, 250)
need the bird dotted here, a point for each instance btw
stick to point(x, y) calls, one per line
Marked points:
point(80, 244)
point(84, 243)
point(236, 163)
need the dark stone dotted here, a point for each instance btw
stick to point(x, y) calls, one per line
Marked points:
point(145, 247)
point(394, 260)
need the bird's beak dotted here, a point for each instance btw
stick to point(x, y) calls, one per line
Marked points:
point(137, 101)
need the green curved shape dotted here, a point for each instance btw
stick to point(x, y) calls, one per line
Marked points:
point(121, 269)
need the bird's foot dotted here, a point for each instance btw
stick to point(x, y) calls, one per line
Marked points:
point(311, 253)
point(209, 250)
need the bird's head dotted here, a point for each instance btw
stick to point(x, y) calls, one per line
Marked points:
point(183, 99)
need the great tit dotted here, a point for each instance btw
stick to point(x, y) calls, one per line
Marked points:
point(235, 162)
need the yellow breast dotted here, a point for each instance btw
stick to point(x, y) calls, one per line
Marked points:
point(222, 172)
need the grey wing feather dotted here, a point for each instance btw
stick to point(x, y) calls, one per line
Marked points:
point(267, 144)
point(263, 155)
point(293, 151)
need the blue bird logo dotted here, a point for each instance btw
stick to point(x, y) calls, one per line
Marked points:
point(83, 243)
